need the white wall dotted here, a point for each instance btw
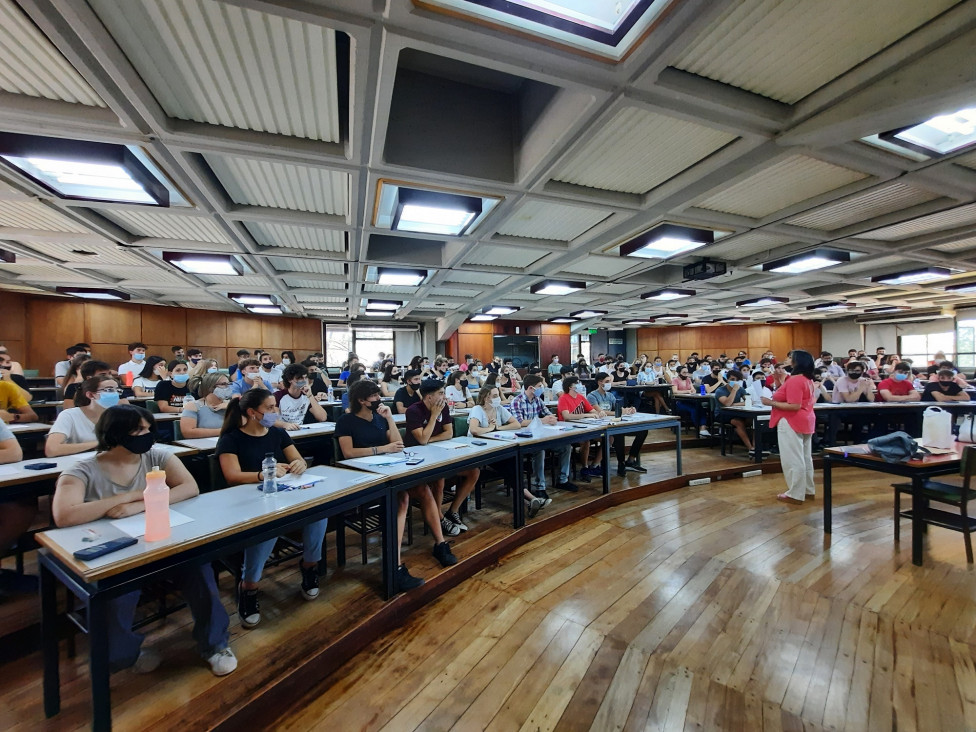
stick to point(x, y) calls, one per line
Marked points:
point(840, 335)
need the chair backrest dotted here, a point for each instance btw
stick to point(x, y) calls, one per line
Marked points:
point(217, 480)
point(177, 432)
point(31, 373)
point(967, 465)
point(150, 404)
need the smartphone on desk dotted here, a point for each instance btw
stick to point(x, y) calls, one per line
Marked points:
point(415, 461)
point(40, 466)
point(106, 547)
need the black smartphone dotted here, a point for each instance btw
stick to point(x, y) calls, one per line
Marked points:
point(107, 547)
point(415, 461)
point(40, 466)
point(478, 442)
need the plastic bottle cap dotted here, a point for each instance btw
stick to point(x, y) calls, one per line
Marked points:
point(155, 469)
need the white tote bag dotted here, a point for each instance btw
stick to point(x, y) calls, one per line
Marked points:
point(937, 428)
point(967, 429)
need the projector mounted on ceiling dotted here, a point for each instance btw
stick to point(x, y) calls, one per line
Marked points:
point(704, 270)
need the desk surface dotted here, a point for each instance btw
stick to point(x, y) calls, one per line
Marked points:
point(26, 428)
point(862, 452)
point(17, 474)
point(215, 514)
point(434, 455)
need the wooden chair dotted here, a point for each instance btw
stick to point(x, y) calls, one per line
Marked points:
point(953, 490)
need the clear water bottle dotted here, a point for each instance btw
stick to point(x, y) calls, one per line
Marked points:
point(330, 394)
point(269, 477)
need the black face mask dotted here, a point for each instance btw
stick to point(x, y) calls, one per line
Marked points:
point(854, 374)
point(374, 405)
point(267, 366)
point(138, 444)
point(463, 382)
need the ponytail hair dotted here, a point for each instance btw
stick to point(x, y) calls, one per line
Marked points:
point(236, 412)
point(90, 385)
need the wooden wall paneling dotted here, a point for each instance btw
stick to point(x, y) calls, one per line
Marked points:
point(114, 354)
point(13, 309)
point(205, 328)
point(479, 345)
point(808, 337)
point(555, 329)
point(108, 323)
point(53, 325)
point(668, 342)
point(689, 341)
point(553, 344)
point(276, 335)
point(306, 337)
point(646, 341)
point(164, 325)
point(780, 340)
point(243, 332)
point(758, 340)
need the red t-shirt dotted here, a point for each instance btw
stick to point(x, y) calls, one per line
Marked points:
point(898, 388)
point(574, 403)
point(796, 390)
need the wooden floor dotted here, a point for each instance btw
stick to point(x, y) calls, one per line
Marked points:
point(709, 607)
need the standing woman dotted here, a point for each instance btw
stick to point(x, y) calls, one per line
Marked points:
point(795, 423)
point(153, 371)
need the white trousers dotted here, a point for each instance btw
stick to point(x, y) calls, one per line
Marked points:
point(795, 455)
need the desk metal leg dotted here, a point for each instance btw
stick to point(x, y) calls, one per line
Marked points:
point(389, 535)
point(828, 497)
point(49, 641)
point(677, 447)
point(757, 440)
point(606, 462)
point(918, 524)
point(518, 491)
point(98, 663)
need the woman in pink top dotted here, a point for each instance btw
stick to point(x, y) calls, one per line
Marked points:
point(795, 423)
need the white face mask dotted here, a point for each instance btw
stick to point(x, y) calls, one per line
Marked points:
point(496, 401)
point(285, 361)
point(580, 389)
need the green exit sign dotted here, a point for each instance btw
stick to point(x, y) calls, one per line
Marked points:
point(592, 331)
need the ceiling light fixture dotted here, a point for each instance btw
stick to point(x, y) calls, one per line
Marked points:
point(94, 293)
point(81, 170)
point(758, 302)
point(500, 310)
point(204, 264)
point(245, 299)
point(563, 319)
point(482, 317)
point(960, 289)
point(697, 323)
point(940, 135)
point(556, 287)
point(807, 261)
point(831, 306)
point(584, 314)
point(379, 313)
point(265, 310)
point(645, 321)
point(914, 276)
point(783, 321)
point(668, 293)
point(670, 318)
point(733, 319)
point(390, 305)
point(666, 240)
point(886, 309)
point(433, 212)
point(400, 277)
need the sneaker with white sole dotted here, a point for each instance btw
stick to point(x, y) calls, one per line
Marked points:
point(535, 505)
point(222, 662)
point(455, 518)
point(247, 607)
point(310, 581)
point(449, 527)
point(704, 433)
point(147, 662)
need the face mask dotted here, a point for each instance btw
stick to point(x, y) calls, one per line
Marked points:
point(300, 384)
point(285, 361)
point(854, 374)
point(195, 360)
point(900, 376)
point(254, 377)
point(180, 378)
point(139, 444)
point(138, 356)
point(267, 366)
point(657, 364)
point(648, 370)
point(730, 365)
point(580, 389)
point(463, 382)
point(414, 386)
point(732, 382)
point(108, 398)
point(223, 392)
point(268, 419)
point(373, 406)
point(496, 402)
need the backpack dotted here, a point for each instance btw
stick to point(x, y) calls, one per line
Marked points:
point(898, 447)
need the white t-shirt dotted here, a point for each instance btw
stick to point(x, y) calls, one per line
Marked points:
point(134, 366)
point(454, 394)
point(75, 426)
point(61, 368)
point(502, 416)
point(144, 383)
point(293, 410)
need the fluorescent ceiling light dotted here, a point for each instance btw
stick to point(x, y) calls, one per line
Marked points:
point(649, 321)
point(94, 293)
point(670, 318)
point(80, 170)
point(733, 319)
point(245, 299)
point(831, 306)
point(564, 320)
point(379, 313)
point(383, 305)
point(669, 293)
point(482, 317)
point(556, 287)
point(757, 302)
point(666, 240)
point(400, 277)
point(696, 323)
point(433, 212)
point(957, 289)
point(940, 135)
point(266, 310)
point(205, 264)
point(914, 276)
point(782, 321)
point(500, 310)
point(583, 314)
point(807, 261)
point(886, 309)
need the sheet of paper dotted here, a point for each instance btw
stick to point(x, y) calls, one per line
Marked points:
point(136, 525)
point(381, 459)
point(298, 481)
point(501, 436)
point(450, 445)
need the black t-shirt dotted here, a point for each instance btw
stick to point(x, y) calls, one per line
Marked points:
point(318, 386)
point(363, 433)
point(405, 399)
point(251, 450)
point(70, 390)
point(933, 386)
point(167, 391)
point(710, 380)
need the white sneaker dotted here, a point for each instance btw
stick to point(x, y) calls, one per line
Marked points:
point(147, 662)
point(449, 527)
point(704, 433)
point(222, 662)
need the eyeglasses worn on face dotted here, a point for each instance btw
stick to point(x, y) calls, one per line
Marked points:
point(109, 391)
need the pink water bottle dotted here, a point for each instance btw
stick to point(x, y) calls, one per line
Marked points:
point(156, 499)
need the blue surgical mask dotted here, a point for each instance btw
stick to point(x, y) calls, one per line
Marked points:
point(580, 389)
point(108, 398)
point(300, 384)
point(180, 378)
point(607, 388)
point(223, 392)
point(900, 376)
point(268, 419)
point(138, 356)
point(212, 370)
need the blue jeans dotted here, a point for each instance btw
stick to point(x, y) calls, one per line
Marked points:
point(694, 412)
point(255, 556)
point(563, 453)
point(210, 621)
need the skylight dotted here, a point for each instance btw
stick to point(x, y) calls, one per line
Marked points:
point(943, 134)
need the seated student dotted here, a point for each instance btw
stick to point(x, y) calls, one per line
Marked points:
point(249, 377)
point(390, 382)
point(727, 395)
point(946, 389)
point(959, 379)
point(287, 359)
point(88, 369)
point(714, 379)
point(757, 388)
point(526, 407)
point(350, 367)
point(61, 367)
point(14, 407)
point(573, 406)
point(242, 355)
point(456, 390)
point(898, 387)
point(170, 395)
point(354, 376)
point(823, 386)
point(683, 384)
point(429, 420)
point(368, 429)
point(603, 398)
point(408, 394)
point(270, 372)
point(111, 485)
point(203, 367)
point(137, 359)
point(74, 429)
point(72, 377)
point(488, 416)
point(16, 515)
point(507, 382)
point(779, 376)
point(557, 384)
point(145, 382)
point(19, 381)
point(295, 400)
point(491, 382)
point(194, 356)
point(204, 416)
point(16, 368)
point(247, 435)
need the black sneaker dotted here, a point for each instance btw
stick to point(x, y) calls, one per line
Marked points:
point(621, 471)
point(545, 497)
point(635, 466)
point(442, 553)
point(247, 607)
point(403, 580)
point(567, 486)
point(310, 581)
point(455, 518)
